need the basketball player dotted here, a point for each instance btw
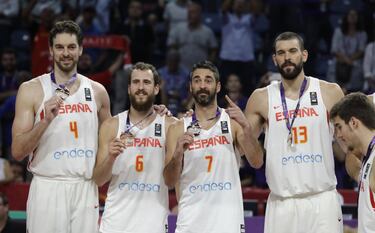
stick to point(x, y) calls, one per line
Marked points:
point(56, 123)
point(299, 161)
point(201, 159)
point(354, 121)
point(131, 154)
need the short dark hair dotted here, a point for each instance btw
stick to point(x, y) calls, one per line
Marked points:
point(355, 105)
point(145, 66)
point(289, 36)
point(4, 198)
point(206, 65)
point(66, 26)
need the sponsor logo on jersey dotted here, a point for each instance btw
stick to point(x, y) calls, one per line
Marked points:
point(224, 127)
point(301, 159)
point(301, 113)
point(88, 94)
point(209, 142)
point(157, 130)
point(210, 187)
point(313, 98)
point(145, 142)
point(74, 108)
point(75, 153)
point(137, 186)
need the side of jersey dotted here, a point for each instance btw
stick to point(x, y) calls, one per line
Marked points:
point(137, 200)
point(306, 167)
point(67, 149)
point(366, 200)
point(210, 188)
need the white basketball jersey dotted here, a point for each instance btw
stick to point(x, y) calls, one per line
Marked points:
point(137, 199)
point(366, 201)
point(307, 167)
point(373, 97)
point(67, 149)
point(210, 188)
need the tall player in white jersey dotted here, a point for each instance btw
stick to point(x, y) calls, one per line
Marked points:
point(354, 121)
point(131, 155)
point(299, 161)
point(56, 123)
point(202, 162)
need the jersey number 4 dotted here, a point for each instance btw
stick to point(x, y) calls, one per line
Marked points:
point(73, 128)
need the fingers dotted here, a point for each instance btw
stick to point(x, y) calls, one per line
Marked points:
point(230, 102)
point(189, 113)
point(116, 147)
point(185, 140)
point(162, 110)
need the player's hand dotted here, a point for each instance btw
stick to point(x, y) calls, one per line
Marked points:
point(189, 113)
point(51, 107)
point(116, 147)
point(162, 110)
point(184, 141)
point(236, 113)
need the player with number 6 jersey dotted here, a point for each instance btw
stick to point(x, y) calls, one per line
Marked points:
point(131, 155)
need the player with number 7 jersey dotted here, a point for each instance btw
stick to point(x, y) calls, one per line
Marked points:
point(131, 155)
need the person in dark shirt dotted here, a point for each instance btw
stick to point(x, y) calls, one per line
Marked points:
point(8, 225)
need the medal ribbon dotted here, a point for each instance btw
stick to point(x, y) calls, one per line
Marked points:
point(285, 107)
point(128, 126)
point(195, 120)
point(64, 85)
point(364, 161)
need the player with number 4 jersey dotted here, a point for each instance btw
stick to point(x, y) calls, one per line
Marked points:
point(132, 155)
point(56, 122)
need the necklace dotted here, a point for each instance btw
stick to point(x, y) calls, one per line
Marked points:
point(61, 90)
point(129, 136)
point(195, 127)
point(285, 109)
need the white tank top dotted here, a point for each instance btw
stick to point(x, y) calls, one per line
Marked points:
point(137, 198)
point(307, 168)
point(366, 201)
point(67, 149)
point(2, 169)
point(210, 188)
point(373, 97)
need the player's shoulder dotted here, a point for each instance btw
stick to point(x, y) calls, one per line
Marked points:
point(110, 122)
point(371, 97)
point(326, 86)
point(170, 120)
point(95, 85)
point(177, 126)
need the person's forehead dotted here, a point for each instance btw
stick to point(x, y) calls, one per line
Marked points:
point(201, 72)
point(142, 74)
point(287, 44)
point(65, 38)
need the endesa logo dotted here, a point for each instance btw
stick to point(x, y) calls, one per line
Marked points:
point(210, 187)
point(137, 186)
point(74, 154)
point(301, 159)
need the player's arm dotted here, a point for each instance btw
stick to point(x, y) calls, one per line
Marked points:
point(26, 135)
point(255, 112)
point(177, 142)
point(331, 94)
point(244, 136)
point(109, 148)
point(102, 101)
point(353, 165)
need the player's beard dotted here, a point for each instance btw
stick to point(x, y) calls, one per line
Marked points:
point(142, 106)
point(66, 69)
point(205, 100)
point(293, 74)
